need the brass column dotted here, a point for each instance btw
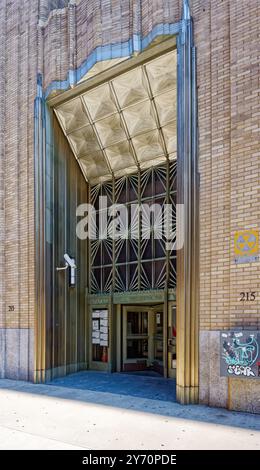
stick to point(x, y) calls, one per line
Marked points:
point(187, 230)
point(39, 220)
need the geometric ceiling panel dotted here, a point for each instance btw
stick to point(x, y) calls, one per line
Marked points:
point(95, 166)
point(170, 137)
point(166, 106)
point(110, 130)
point(120, 156)
point(131, 87)
point(84, 141)
point(140, 118)
point(155, 162)
point(72, 116)
point(125, 122)
point(162, 73)
point(100, 102)
point(172, 156)
point(148, 146)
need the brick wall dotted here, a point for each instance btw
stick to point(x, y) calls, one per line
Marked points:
point(18, 21)
point(226, 36)
point(227, 40)
point(18, 67)
point(228, 78)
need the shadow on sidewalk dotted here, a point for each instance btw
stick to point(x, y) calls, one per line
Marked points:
point(149, 394)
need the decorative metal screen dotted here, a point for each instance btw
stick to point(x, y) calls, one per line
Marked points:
point(141, 258)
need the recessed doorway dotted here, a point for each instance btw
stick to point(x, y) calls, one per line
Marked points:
point(128, 157)
point(143, 339)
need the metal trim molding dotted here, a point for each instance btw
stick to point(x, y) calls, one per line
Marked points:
point(187, 194)
point(134, 45)
point(39, 221)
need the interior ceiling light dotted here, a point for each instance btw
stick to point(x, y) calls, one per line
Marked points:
point(125, 123)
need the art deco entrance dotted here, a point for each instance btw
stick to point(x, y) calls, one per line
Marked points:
point(121, 127)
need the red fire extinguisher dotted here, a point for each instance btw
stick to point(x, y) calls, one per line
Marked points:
point(104, 354)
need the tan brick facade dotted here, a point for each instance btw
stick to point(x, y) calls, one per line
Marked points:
point(55, 41)
point(228, 79)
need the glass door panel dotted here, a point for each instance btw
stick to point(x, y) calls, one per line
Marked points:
point(158, 339)
point(143, 339)
point(136, 338)
point(172, 341)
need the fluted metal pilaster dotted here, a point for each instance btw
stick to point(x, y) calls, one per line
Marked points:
point(187, 194)
point(39, 221)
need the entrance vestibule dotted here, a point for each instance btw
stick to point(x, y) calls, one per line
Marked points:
point(134, 338)
point(126, 146)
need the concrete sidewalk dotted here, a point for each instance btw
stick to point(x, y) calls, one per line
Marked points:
point(77, 413)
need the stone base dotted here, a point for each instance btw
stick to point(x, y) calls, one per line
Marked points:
point(232, 393)
point(244, 395)
point(17, 353)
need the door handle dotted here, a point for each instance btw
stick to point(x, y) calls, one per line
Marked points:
point(62, 268)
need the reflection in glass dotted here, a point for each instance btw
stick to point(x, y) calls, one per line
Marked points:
point(158, 350)
point(137, 349)
point(137, 323)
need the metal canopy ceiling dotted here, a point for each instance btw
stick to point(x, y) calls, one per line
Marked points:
point(126, 123)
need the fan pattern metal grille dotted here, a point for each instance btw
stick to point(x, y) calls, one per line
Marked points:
point(141, 263)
